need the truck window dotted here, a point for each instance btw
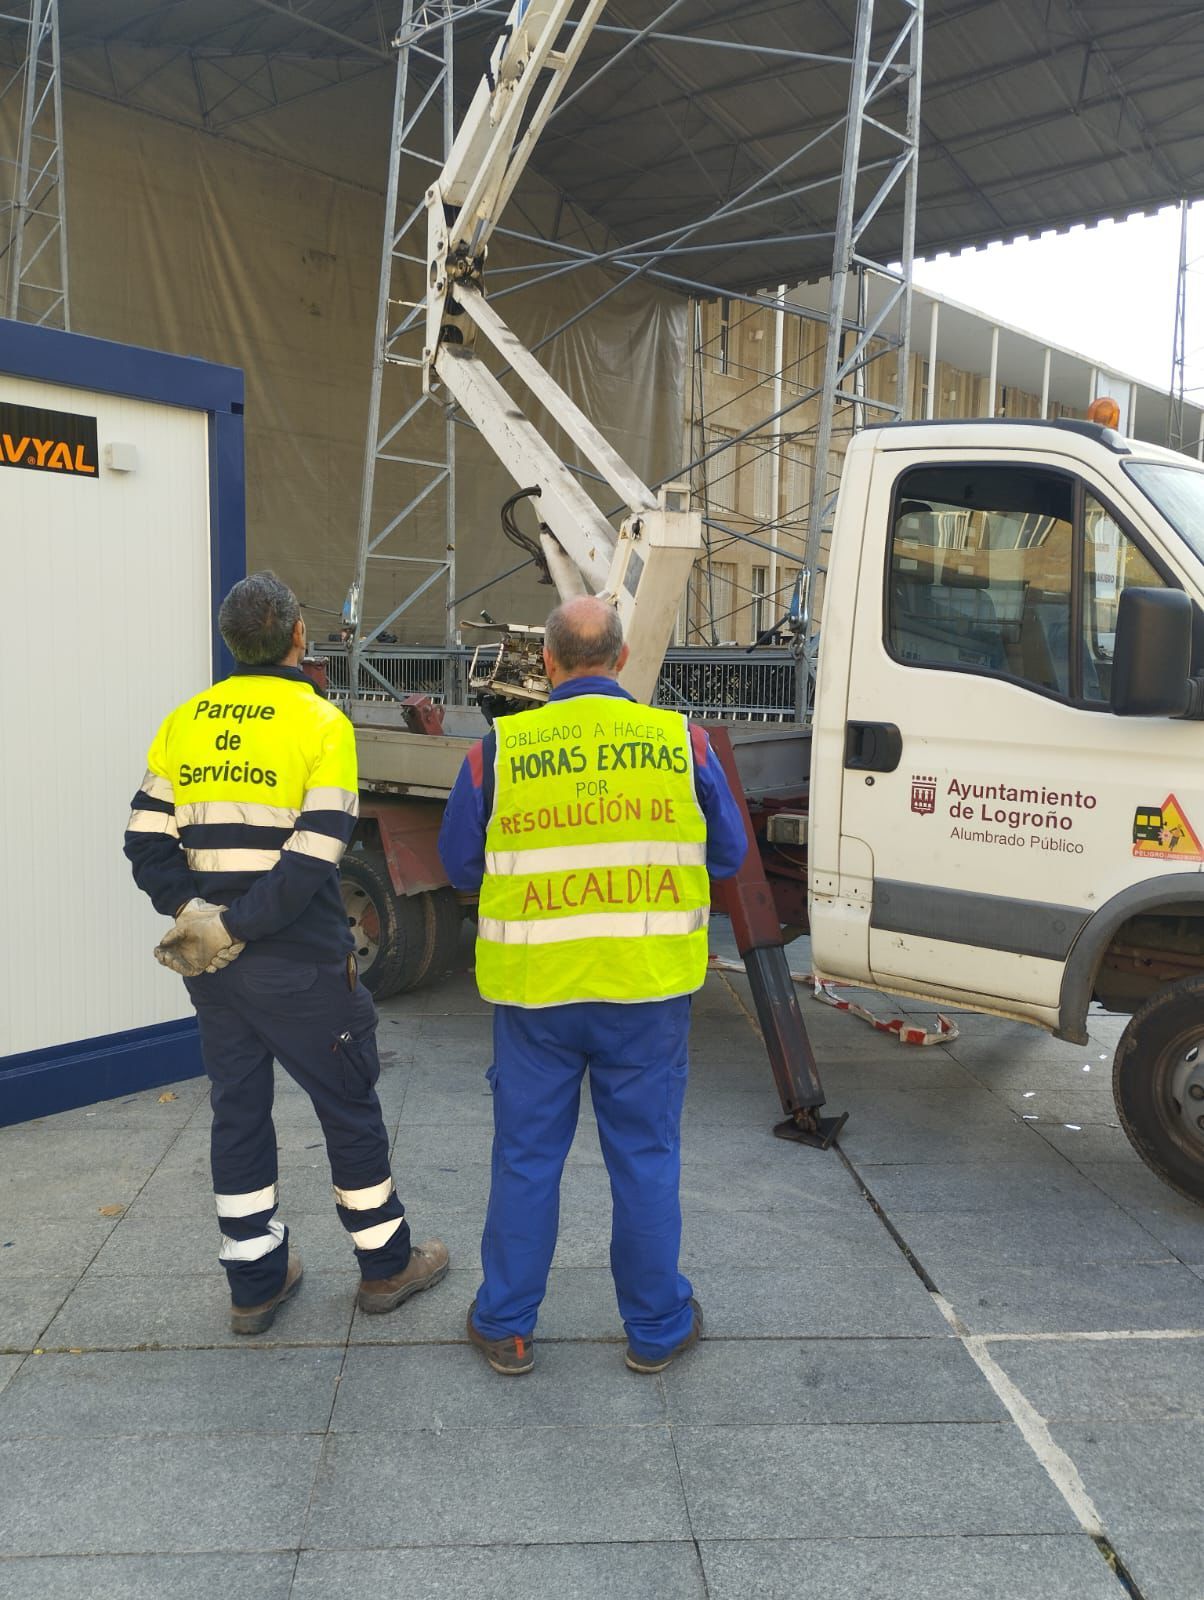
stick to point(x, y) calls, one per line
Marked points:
point(1112, 563)
point(981, 567)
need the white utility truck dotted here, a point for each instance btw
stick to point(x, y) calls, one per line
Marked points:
point(1000, 800)
point(1006, 805)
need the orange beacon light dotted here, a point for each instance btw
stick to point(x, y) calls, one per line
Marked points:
point(1104, 411)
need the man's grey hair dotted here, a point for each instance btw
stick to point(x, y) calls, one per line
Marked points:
point(584, 633)
point(257, 619)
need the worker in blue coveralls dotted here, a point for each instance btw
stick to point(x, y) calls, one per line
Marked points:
point(249, 800)
point(590, 826)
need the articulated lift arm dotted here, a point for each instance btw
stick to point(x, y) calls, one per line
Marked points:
point(644, 567)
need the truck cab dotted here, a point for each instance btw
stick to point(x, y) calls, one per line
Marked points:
point(990, 823)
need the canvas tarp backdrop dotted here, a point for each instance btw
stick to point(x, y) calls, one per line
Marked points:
point(260, 247)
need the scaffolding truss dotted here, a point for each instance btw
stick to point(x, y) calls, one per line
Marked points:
point(872, 139)
point(33, 210)
point(425, 40)
point(1182, 426)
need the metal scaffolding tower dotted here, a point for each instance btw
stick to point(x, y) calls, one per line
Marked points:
point(396, 398)
point(1180, 353)
point(33, 216)
point(876, 105)
point(873, 140)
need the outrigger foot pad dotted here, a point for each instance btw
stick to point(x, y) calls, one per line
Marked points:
point(819, 1132)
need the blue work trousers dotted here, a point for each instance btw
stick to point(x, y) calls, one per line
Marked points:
point(322, 1030)
point(636, 1056)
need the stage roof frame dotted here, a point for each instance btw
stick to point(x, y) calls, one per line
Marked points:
point(1037, 114)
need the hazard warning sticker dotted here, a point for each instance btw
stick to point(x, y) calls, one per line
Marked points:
point(1164, 831)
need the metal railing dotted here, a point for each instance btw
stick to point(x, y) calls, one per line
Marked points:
point(407, 669)
point(730, 684)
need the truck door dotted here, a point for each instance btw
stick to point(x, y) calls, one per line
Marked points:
point(986, 605)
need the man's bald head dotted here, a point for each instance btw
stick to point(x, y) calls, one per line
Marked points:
point(584, 635)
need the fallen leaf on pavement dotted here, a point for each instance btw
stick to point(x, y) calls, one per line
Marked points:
point(111, 1211)
point(164, 1098)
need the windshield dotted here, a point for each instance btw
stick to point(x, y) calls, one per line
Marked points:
point(1178, 492)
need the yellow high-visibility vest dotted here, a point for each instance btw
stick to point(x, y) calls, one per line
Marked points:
point(596, 884)
point(243, 762)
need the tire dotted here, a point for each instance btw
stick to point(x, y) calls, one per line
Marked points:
point(391, 931)
point(1158, 1085)
point(446, 917)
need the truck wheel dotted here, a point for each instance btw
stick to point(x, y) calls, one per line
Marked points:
point(445, 918)
point(390, 931)
point(1158, 1085)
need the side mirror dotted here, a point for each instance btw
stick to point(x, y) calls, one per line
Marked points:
point(1151, 665)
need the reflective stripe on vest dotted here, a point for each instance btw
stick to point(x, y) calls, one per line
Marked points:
point(596, 885)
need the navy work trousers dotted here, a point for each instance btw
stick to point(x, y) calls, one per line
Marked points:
point(636, 1056)
point(323, 1033)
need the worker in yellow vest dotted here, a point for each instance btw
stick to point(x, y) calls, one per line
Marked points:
point(249, 800)
point(591, 827)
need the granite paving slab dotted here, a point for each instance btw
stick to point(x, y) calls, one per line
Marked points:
point(988, 1043)
point(967, 1478)
point(874, 1135)
point(151, 1577)
point(1070, 1299)
point(1069, 1104)
point(750, 1143)
point(795, 1382)
point(131, 1313)
point(252, 1390)
point(501, 1572)
point(797, 1182)
point(430, 1190)
point(28, 1306)
point(149, 1109)
point(1045, 1567)
point(1170, 1216)
point(490, 1485)
point(1165, 1566)
point(1042, 1178)
point(72, 1175)
point(8, 1366)
point(916, 1075)
point(824, 1235)
point(32, 1247)
point(799, 1301)
point(725, 1108)
point(453, 1143)
point(1089, 1143)
point(1022, 1235)
point(1114, 1380)
point(154, 1495)
point(1144, 1477)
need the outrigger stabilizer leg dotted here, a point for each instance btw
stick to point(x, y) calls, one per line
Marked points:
point(748, 900)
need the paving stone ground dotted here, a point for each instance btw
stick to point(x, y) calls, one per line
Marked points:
point(834, 1435)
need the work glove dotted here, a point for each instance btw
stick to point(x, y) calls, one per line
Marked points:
point(199, 942)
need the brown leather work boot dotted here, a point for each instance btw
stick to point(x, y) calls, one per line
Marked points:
point(258, 1319)
point(638, 1363)
point(426, 1267)
point(510, 1357)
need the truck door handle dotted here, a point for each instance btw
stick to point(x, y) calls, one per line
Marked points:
point(872, 746)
